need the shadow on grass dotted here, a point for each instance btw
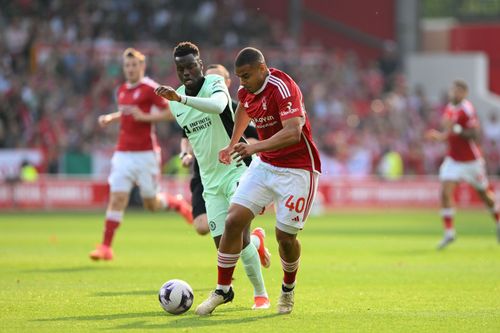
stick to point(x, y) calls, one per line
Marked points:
point(126, 293)
point(74, 269)
point(104, 317)
point(193, 321)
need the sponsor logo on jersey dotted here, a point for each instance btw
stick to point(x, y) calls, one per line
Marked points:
point(288, 109)
point(201, 124)
point(263, 122)
point(246, 105)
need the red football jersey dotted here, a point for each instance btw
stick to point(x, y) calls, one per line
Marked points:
point(280, 99)
point(137, 135)
point(459, 148)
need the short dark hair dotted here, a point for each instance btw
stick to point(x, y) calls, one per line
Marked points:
point(249, 56)
point(461, 84)
point(185, 48)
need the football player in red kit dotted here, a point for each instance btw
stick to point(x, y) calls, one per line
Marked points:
point(136, 160)
point(285, 172)
point(464, 161)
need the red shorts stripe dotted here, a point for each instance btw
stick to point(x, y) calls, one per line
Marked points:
point(310, 196)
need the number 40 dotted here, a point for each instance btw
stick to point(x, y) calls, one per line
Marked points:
point(298, 205)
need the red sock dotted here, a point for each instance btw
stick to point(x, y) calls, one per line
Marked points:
point(225, 266)
point(496, 216)
point(113, 220)
point(289, 271)
point(448, 222)
point(447, 216)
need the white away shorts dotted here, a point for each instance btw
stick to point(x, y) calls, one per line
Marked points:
point(129, 168)
point(473, 172)
point(291, 190)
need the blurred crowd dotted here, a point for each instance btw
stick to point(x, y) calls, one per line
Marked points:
point(60, 66)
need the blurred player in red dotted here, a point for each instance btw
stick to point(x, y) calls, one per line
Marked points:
point(464, 161)
point(136, 160)
point(285, 173)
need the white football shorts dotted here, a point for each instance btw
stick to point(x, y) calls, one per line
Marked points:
point(141, 168)
point(291, 190)
point(473, 172)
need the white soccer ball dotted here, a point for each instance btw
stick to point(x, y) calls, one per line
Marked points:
point(176, 296)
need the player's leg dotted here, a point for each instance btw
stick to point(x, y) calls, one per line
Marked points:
point(449, 174)
point(257, 238)
point(447, 213)
point(148, 178)
point(294, 196)
point(199, 211)
point(488, 197)
point(485, 190)
point(248, 200)
point(228, 254)
point(217, 211)
point(289, 251)
point(120, 183)
point(251, 262)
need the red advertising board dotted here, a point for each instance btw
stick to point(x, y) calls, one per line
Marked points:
point(55, 193)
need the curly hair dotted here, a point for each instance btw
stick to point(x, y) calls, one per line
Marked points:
point(185, 48)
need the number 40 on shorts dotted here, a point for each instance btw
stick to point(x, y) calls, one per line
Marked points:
point(297, 205)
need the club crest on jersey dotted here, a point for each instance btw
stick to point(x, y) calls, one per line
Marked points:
point(136, 95)
point(264, 103)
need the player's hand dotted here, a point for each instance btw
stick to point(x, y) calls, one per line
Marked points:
point(138, 114)
point(168, 93)
point(187, 160)
point(225, 155)
point(104, 120)
point(434, 135)
point(242, 150)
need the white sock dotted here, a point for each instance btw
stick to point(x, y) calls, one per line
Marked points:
point(225, 289)
point(255, 241)
point(163, 200)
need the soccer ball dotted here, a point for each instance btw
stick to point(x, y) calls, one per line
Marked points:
point(176, 296)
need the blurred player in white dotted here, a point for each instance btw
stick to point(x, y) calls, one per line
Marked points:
point(136, 160)
point(285, 173)
point(464, 161)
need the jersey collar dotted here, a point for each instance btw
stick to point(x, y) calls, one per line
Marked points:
point(261, 89)
point(134, 85)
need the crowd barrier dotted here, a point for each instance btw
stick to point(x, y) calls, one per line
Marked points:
point(50, 193)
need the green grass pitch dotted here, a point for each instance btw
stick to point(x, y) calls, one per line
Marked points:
point(360, 272)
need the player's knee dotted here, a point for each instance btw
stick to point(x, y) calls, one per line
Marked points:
point(201, 225)
point(287, 242)
point(150, 204)
point(118, 202)
point(239, 216)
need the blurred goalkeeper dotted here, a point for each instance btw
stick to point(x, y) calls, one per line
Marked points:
point(464, 161)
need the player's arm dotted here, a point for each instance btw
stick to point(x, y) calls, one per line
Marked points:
point(466, 127)
point(241, 121)
point(106, 119)
point(466, 133)
point(215, 104)
point(289, 135)
point(155, 116)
